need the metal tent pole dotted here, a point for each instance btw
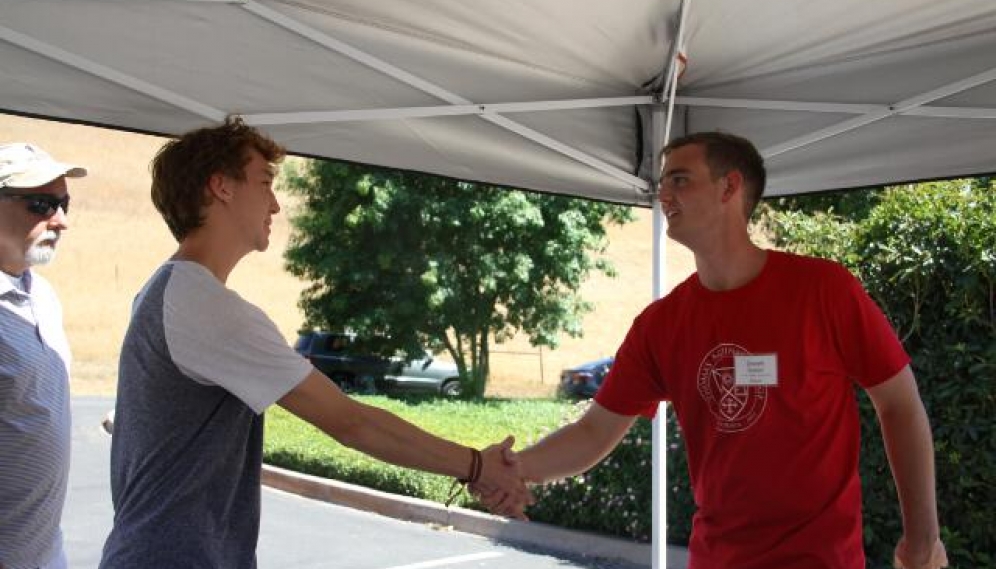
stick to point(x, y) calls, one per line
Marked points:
point(661, 134)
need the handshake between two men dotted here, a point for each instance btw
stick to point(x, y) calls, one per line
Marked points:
point(496, 479)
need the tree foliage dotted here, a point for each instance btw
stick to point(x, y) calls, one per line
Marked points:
point(422, 261)
point(854, 204)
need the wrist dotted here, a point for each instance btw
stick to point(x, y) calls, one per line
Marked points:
point(527, 468)
point(921, 533)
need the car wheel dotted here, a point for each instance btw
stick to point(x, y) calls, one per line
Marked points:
point(452, 388)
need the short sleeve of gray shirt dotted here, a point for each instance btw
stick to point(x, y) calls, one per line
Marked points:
point(217, 338)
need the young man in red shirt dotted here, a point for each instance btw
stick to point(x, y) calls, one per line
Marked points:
point(758, 351)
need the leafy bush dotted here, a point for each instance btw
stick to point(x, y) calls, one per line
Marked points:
point(927, 254)
point(615, 497)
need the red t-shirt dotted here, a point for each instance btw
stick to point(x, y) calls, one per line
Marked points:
point(774, 468)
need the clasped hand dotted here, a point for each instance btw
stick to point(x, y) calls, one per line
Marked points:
point(502, 488)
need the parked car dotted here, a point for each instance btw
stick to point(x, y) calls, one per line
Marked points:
point(424, 375)
point(583, 381)
point(346, 361)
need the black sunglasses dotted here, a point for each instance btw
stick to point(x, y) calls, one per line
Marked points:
point(44, 205)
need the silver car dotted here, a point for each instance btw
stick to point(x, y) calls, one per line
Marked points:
point(425, 375)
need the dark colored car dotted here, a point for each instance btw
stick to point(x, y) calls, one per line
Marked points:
point(581, 382)
point(346, 361)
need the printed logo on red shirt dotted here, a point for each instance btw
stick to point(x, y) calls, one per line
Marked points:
point(735, 407)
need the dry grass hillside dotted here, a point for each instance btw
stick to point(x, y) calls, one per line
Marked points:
point(116, 239)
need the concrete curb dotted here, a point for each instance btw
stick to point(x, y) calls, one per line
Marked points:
point(468, 521)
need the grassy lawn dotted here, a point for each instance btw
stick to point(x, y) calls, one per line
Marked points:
point(293, 444)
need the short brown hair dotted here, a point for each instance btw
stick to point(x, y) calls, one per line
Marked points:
point(182, 168)
point(727, 152)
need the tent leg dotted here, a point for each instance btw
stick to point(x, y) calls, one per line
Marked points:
point(659, 471)
point(660, 134)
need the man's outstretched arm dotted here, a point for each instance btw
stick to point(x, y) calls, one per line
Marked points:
point(389, 438)
point(576, 447)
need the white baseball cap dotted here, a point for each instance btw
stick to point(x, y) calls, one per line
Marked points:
point(24, 165)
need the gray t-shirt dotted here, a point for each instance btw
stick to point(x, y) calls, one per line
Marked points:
point(198, 367)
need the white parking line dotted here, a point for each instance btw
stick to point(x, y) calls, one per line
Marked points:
point(449, 561)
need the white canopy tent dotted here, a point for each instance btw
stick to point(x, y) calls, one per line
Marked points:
point(541, 95)
point(548, 95)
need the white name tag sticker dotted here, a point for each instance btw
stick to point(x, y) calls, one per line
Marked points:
point(756, 369)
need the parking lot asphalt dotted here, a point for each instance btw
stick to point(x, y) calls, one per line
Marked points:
point(349, 527)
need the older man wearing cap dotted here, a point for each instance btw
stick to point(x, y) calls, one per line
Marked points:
point(34, 360)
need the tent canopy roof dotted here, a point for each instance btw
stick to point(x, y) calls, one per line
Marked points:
point(540, 95)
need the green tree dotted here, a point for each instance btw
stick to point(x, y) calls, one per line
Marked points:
point(424, 261)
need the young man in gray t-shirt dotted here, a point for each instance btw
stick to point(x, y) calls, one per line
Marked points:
point(199, 366)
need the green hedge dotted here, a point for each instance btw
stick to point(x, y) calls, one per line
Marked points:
point(615, 497)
